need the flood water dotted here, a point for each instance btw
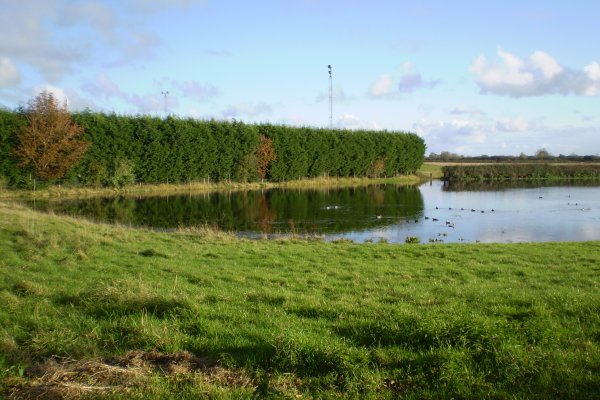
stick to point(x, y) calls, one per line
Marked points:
point(432, 212)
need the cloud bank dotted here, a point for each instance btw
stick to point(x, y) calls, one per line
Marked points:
point(537, 75)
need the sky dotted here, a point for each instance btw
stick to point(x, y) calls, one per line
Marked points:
point(470, 77)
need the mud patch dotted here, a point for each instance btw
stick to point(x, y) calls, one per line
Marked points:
point(74, 379)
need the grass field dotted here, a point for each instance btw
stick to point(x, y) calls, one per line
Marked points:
point(111, 312)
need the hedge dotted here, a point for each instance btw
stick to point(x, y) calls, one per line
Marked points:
point(144, 149)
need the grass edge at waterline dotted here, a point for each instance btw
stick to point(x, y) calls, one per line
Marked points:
point(57, 191)
point(292, 318)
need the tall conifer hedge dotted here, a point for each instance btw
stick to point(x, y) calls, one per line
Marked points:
point(127, 149)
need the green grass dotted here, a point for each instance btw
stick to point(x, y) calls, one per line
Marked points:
point(433, 171)
point(58, 191)
point(290, 318)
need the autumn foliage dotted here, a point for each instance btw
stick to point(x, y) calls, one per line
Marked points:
point(50, 143)
point(266, 155)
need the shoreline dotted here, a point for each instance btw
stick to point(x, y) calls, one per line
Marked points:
point(164, 189)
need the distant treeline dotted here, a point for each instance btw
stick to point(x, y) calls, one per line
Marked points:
point(514, 171)
point(144, 149)
point(540, 156)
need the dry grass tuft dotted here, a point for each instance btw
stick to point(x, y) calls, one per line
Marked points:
point(70, 379)
point(206, 231)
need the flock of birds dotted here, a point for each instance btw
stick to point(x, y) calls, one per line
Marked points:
point(451, 223)
point(448, 223)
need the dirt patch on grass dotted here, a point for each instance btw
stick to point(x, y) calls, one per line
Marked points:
point(74, 379)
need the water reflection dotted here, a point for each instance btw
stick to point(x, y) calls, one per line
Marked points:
point(270, 211)
point(433, 212)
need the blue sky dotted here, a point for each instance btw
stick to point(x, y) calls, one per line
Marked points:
point(471, 77)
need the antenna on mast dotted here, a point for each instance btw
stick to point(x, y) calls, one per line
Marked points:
point(165, 93)
point(330, 97)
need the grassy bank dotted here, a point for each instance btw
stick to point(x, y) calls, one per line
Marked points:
point(430, 171)
point(197, 187)
point(520, 171)
point(112, 312)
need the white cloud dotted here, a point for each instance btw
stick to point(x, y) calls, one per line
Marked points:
point(251, 110)
point(9, 74)
point(27, 38)
point(152, 6)
point(408, 81)
point(339, 96)
point(546, 64)
point(383, 86)
point(196, 90)
point(593, 71)
point(92, 13)
point(351, 121)
point(513, 125)
point(537, 75)
point(462, 109)
point(55, 37)
point(451, 135)
point(411, 82)
point(68, 96)
point(58, 93)
point(151, 103)
point(103, 86)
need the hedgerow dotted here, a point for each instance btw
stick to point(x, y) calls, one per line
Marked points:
point(144, 149)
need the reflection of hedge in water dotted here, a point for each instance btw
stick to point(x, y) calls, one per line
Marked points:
point(458, 186)
point(127, 149)
point(520, 172)
point(274, 210)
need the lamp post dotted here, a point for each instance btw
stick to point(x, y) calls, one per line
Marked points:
point(330, 97)
point(165, 93)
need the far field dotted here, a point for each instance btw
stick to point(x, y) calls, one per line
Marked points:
point(111, 312)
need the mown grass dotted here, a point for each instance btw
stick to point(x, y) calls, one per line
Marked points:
point(294, 318)
point(59, 191)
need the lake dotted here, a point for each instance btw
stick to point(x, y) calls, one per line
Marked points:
point(432, 212)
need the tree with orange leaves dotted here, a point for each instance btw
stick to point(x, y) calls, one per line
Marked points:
point(266, 155)
point(50, 143)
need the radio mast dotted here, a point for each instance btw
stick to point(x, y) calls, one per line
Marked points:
point(330, 98)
